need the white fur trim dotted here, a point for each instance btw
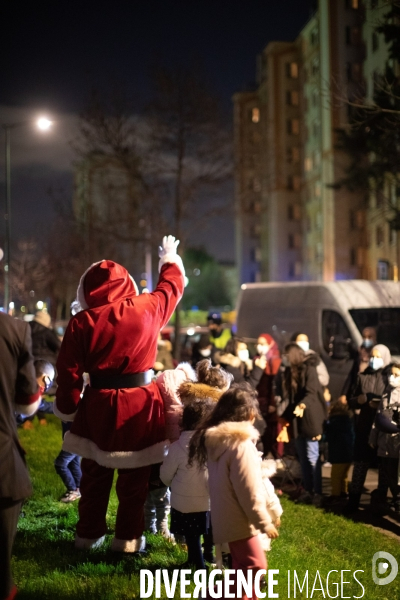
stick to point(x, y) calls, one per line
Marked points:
point(134, 285)
point(135, 545)
point(27, 409)
point(174, 259)
point(188, 370)
point(115, 460)
point(88, 543)
point(63, 416)
point(80, 302)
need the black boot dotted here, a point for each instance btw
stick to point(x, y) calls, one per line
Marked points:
point(352, 504)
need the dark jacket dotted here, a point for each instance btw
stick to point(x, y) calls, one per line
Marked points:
point(385, 434)
point(232, 364)
point(17, 387)
point(310, 393)
point(371, 384)
point(339, 433)
point(45, 343)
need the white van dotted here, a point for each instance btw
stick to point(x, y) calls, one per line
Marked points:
point(332, 314)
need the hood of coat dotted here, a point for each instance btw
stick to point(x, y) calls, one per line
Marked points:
point(312, 359)
point(190, 391)
point(268, 468)
point(227, 359)
point(228, 434)
point(105, 282)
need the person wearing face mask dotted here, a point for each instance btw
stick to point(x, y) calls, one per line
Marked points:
point(236, 360)
point(367, 396)
point(202, 349)
point(302, 404)
point(316, 361)
point(219, 335)
point(360, 363)
point(385, 436)
point(266, 346)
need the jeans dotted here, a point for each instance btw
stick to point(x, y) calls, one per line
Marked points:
point(308, 453)
point(68, 468)
point(156, 510)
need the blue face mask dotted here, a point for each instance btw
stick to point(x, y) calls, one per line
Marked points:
point(367, 343)
point(376, 363)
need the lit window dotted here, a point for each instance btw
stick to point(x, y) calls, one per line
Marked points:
point(295, 154)
point(297, 212)
point(296, 183)
point(308, 164)
point(295, 126)
point(317, 190)
point(255, 115)
point(292, 70)
point(355, 4)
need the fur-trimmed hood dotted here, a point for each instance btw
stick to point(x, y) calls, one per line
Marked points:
point(190, 390)
point(228, 434)
point(225, 358)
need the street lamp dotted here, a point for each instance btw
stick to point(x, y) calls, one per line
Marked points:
point(43, 124)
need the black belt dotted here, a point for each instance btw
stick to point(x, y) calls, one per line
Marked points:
point(115, 382)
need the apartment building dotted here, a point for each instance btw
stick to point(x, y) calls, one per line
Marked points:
point(308, 229)
point(383, 242)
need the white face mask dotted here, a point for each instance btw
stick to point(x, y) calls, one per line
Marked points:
point(376, 363)
point(244, 355)
point(394, 381)
point(262, 349)
point(367, 343)
point(304, 346)
point(205, 352)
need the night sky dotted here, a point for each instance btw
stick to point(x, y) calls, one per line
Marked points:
point(52, 53)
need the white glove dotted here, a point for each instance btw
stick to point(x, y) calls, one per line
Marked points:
point(168, 254)
point(169, 246)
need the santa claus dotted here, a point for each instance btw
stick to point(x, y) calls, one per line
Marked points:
point(118, 422)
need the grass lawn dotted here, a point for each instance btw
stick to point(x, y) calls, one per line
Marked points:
point(46, 565)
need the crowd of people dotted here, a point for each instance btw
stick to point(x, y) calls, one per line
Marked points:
point(195, 445)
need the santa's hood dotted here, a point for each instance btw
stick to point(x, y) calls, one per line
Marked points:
point(228, 434)
point(102, 283)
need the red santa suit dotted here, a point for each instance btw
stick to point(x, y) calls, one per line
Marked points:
point(118, 423)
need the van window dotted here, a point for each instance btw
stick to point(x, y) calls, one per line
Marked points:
point(386, 322)
point(333, 325)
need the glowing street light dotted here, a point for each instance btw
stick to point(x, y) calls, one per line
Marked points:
point(44, 124)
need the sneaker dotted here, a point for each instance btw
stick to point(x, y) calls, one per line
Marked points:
point(70, 496)
point(28, 425)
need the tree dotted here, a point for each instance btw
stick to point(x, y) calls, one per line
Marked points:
point(372, 139)
point(189, 152)
point(207, 287)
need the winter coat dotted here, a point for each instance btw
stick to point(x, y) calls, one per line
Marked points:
point(322, 371)
point(388, 444)
point(265, 386)
point(189, 485)
point(339, 433)
point(115, 335)
point(45, 343)
point(371, 384)
point(238, 496)
point(232, 364)
point(309, 392)
point(168, 383)
point(18, 392)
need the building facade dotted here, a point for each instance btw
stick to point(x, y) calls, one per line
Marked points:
point(307, 227)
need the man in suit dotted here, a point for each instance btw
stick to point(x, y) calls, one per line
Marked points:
point(19, 392)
